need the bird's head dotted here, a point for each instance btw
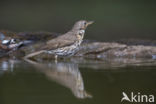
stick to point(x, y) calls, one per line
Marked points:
point(81, 25)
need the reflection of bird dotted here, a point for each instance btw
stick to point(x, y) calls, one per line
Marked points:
point(66, 44)
point(66, 74)
point(125, 97)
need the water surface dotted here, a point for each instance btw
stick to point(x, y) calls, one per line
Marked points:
point(74, 81)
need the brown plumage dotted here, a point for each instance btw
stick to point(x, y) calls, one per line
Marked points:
point(65, 44)
point(61, 41)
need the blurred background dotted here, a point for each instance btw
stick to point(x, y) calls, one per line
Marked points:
point(114, 19)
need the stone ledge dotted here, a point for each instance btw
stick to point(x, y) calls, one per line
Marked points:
point(88, 49)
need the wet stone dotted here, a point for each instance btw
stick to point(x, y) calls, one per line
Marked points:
point(29, 42)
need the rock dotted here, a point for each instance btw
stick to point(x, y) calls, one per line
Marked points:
point(29, 42)
point(22, 39)
point(103, 50)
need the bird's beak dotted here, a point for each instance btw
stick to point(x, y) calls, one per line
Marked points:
point(89, 23)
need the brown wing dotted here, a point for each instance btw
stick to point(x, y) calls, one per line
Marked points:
point(61, 41)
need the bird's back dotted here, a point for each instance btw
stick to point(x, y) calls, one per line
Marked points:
point(61, 41)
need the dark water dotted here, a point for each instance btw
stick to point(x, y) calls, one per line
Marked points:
point(75, 81)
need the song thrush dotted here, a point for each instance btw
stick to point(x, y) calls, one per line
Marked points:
point(66, 44)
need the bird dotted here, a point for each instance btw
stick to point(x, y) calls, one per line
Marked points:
point(66, 44)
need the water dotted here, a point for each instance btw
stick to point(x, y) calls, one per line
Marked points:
point(74, 81)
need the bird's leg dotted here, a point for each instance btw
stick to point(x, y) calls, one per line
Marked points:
point(33, 54)
point(56, 56)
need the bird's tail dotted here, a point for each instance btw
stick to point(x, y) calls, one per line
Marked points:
point(34, 54)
